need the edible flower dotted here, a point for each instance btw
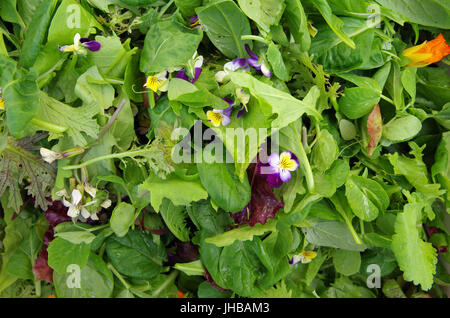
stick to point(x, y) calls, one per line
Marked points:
point(279, 168)
point(257, 63)
point(244, 98)
point(234, 65)
point(80, 45)
point(427, 52)
point(50, 155)
point(75, 208)
point(304, 257)
point(158, 82)
point(193, 69)
point(2, 103)
point(220, 117)
point(195, 23)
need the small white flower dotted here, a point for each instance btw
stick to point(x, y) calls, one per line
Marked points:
point(74, 209)
point(50, 155)
point(106, 204)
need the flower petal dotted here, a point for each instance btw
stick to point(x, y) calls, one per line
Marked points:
point(247, 48)
point(285, 175)
point(182, 75)
point(76, 197)
point(92, 46)
point(85, 213)
point(274, 180)
point(73, 211)
point(274, 160)
point(265, 70)
point(225, 120)
point(198, 71)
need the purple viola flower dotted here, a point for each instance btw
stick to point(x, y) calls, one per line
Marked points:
point(279, 168)
point(195, 23)
point(80, 45)
point(91, 45)
point(257, 63)
point(195, 68)
point(221, 117)
point(234, 65)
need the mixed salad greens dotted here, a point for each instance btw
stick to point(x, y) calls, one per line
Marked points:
point(333, 117)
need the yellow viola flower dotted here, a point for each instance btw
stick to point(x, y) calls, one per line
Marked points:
point(2, 103)
point(158, 82)
point(427, 52)
point(304, 257)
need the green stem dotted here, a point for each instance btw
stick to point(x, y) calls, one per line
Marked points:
point(169, 279)
point(254, 38)
point(37, 288)
point(164, 9)
point(106, 157)
point(48, 126)
point(303, 158)
point(352, 229)
point(387, 99)
point(117, 274)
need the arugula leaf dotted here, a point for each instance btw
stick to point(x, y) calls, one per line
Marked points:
point(17, 164)
point(416, 258)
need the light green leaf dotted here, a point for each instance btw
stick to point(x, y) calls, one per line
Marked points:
point(416, 258)
point(168, 44)
point(264, 12)
point(178, 187)
point(242, 233)
point(122, 218)
point(62, 253)
point(347, 262)
point(225, 24)
point(402, 129)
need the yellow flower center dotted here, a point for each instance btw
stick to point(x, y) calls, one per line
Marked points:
point(2, 103)
point(215, 118)
point(309, 254)
point(152, 83)
point(286, 162)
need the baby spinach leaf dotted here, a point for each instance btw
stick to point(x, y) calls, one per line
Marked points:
point(347, 262)
point(35, 35)
point(70, 18)
point(62, 253)
point(264, 12)
point(225, 24)
point(168, 44)
point(298, 23)
point(96, 281)
point(435, 13)
point(230, 193)
point(358, 101)
point(136, 254)
point(332, 234)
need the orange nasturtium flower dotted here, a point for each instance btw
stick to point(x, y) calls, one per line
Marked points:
point(428, 52)
point(180, 294)
point(51, 296)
